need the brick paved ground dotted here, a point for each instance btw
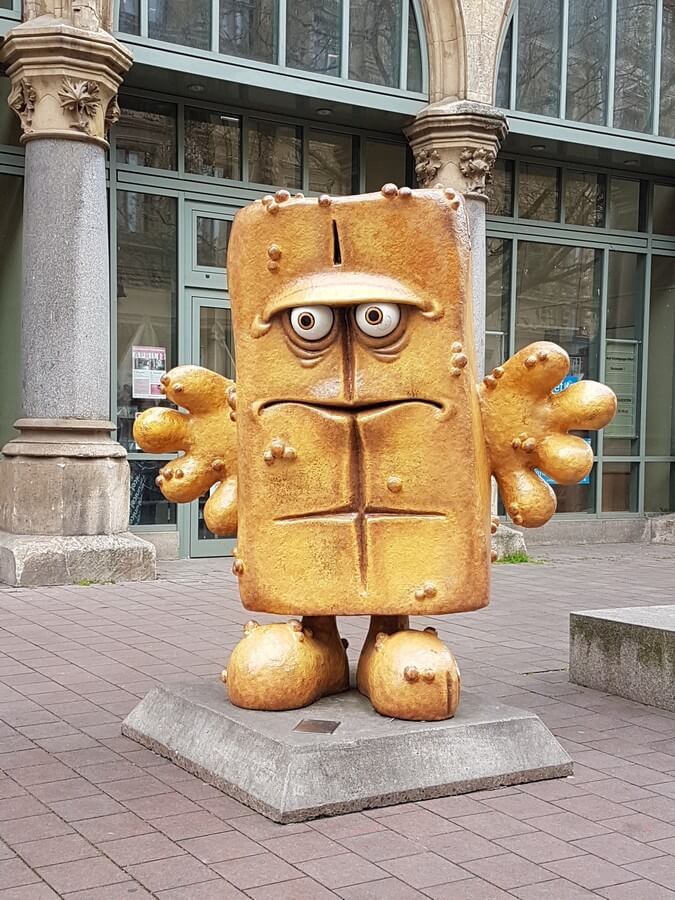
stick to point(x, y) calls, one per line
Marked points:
point(85, 813)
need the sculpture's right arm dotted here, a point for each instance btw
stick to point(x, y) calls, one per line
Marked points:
point(206, 436)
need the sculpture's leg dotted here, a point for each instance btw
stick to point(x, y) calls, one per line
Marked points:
point(408, 674)
point(288, 664)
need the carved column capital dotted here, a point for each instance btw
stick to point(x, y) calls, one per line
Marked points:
point(65, 70)
point(456, 144)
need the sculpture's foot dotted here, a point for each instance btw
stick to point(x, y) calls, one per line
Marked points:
point(408, 674)
point(287, 665)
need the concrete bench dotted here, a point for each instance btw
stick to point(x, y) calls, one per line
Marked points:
point(628, 652)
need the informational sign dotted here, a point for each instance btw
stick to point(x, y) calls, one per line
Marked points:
point(565, 383)
point(621, 374)
point(148, 364)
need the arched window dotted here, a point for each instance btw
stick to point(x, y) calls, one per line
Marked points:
point(602, 62)
point(376, 42)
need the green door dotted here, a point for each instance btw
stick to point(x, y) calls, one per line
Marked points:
point(211, 346)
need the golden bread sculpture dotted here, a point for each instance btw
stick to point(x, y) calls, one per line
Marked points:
point(354, 458)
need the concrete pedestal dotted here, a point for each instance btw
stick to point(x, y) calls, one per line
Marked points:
point(339, 755)
point(629, 652)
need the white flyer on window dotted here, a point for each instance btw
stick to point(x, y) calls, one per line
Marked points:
point(148, 365)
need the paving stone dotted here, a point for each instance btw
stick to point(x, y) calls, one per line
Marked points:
point(34, 891)
point(387, 889)
point(558, 889)
point(637, 890)
point(53, 850)
point(254, 871)
point(538, 847)
point(469, 889)
point(508, 871)
point(640, 827)
point(381, 845)
point(223, 846)
point(567, 826)
point(660, 870)
point(424, 870)
point(14, 873)
point(191, 825)
point(140, 848)
point(108, 828)
point(340, 871)
point(590, 871)
point(82, 874)
point(33, 828)
point(218, 889)
point(298, 889)
point(618, 848)
point(177, 871)
point(300, 847)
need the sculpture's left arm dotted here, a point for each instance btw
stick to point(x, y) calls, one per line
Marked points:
point(526, 427)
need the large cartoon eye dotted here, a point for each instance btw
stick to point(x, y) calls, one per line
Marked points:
point(312, 322)
point(378, 319)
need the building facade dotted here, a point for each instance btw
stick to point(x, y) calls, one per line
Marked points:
point(227, 101)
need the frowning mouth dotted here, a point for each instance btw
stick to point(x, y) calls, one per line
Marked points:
point(443, 407)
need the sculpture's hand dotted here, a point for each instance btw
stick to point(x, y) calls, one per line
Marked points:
point(526, 428)
point(207, 436)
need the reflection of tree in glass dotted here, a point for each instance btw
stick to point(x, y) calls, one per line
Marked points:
point(274, 154)
point(146, 133)
point(313, 35)
point(248, 28)
point(181, 22)
point(539, 37)
point(667, 112)
point(588, 60)
point(634, 75)
point(212, 144)
point(374, 41)
point(331, 168)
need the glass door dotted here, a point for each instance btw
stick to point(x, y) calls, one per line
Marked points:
point(211, 346)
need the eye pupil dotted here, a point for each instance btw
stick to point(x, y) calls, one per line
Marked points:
point(374, 315)
point(306, 321)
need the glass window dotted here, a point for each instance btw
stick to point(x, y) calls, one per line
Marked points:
point(623, 351)
point(503, 96)
point(374, 41)
point(664, 207)
point(660, 487)
point(588, 60)
point(384, 163)
point(501, 189)
point(213, 236)
point(212, 144)
point(414, 52)
point(539, 192)
point(146, 133)
point(274, 154)
point(661, 359)
point(333, 163)
point(634, 70)
point(130, 19)
point(146, 297)
point(539, 39)
point(625, 205)
point(620, 487)
point(248, 28)
point(498, 295)
point(147, 504)
point(577, 498)
point(667, 105)
point(10, 129)
point(585, 197)
point(313, 35)
point(181, 22)
point(558, 299)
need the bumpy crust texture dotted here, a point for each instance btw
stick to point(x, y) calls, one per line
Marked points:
point(206, 435)
point(526, 427)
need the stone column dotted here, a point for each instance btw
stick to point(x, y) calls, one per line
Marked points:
point(456, 144)
point(64, 482)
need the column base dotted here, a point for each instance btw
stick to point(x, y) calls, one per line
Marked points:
point(32, 560)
